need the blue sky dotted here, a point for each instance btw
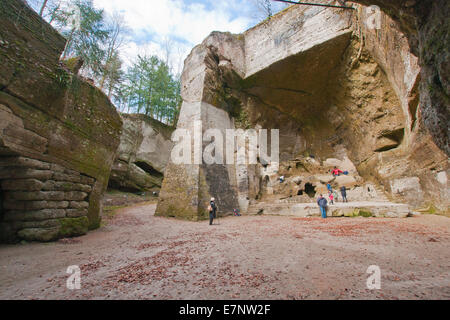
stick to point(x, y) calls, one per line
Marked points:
point(184, 23)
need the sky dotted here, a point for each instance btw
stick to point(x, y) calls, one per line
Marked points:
point(182, 23)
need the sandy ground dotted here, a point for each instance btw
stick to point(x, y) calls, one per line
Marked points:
point(139, 256)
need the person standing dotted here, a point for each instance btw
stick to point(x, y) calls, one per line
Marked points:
point(329, 187)
point(212, 210)
point(336, 196)
point(344, 194)
point(331, 196)
point(322, 202)
point(337, 172)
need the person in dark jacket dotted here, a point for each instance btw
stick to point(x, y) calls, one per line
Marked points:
point(344, 194)
point(213, 210)
point(322, 202)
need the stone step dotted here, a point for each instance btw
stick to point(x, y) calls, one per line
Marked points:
point(350, 209)
point(380, 197)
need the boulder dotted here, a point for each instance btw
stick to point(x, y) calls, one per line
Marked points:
point(347, 181)
point(408, 188)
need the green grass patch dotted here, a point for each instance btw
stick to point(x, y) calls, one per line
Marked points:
point(110, 211)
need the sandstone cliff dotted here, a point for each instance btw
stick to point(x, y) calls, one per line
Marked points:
point(58, 134)
point(334, 88)
point(426, 26)
point(142, 155)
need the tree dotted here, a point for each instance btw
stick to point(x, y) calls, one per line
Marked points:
point(50, 10)
point(117, 32)
point(266, 8)
point(112, 74)
point(44, 4)
point(85, 31)
point(149, 88)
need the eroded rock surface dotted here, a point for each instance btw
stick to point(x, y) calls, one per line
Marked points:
point(58, 135)
point(426, 26)
point(335, 98)
point(142, 155)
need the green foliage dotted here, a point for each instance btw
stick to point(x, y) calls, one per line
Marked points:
point(85, 31)
point(149, 88)
point(365, 213)
point(146, 87)
point(62, 77)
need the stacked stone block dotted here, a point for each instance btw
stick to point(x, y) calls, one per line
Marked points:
point(43, 201)
point(58, 134)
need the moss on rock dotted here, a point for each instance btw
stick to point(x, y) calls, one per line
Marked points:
point(365, 213)
point(73, 227)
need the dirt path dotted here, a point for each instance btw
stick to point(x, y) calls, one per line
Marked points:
point(139, 256)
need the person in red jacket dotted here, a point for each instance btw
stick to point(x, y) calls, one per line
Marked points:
point(331, 196)
point(336, 172)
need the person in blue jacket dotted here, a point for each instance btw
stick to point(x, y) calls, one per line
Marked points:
point(322, 202)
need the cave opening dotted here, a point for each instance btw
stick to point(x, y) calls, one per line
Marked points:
point(113, 185)
point(323, 110)
point(149, 169)
point(310, 190)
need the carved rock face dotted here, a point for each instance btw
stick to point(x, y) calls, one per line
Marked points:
point(309, 78)
point(142, 155)
point(58, 135)
point(425, 24)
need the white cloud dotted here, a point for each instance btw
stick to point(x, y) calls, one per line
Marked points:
point(187, 23)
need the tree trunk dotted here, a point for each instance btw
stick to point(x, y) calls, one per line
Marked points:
point(67, 44)
point(43, 8)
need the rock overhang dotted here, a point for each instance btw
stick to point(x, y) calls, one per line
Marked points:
point(297, 84)
point(219, 70)
point(292, 31)
point(308, 72)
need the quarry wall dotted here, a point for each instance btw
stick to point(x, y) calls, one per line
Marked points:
point(334, 87)
point(58, 134)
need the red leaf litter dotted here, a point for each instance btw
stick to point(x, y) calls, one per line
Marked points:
point(92, 266)
point(69, 241)
point(346, 227)
point(150, 269)
point(251, 257)
point(229, 275)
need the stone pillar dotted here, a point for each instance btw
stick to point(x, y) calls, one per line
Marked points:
point(187, 188)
